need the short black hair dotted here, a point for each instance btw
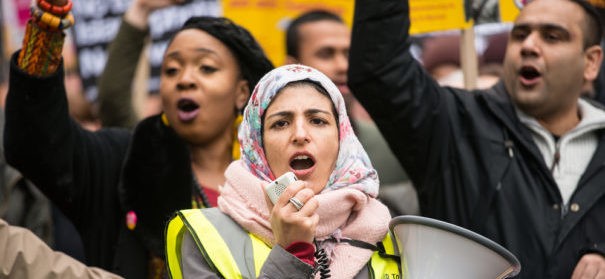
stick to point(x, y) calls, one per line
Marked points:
point(594, 28)
point(293, 31)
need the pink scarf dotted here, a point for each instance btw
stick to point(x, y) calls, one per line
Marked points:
point(344, 213)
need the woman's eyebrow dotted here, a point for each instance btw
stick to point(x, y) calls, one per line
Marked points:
point(314, 111)
point(283, 113)
point(286, 113)
point(176, 53)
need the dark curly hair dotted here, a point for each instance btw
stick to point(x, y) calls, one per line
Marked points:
point(251, 58)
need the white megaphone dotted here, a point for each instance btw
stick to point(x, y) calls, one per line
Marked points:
point(431, 248)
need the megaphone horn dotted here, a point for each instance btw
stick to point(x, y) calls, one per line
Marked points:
point(431, 248)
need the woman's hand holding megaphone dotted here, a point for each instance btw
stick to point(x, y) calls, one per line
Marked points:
point(290, 224)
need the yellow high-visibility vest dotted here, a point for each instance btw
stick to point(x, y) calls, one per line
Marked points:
point(234, 253)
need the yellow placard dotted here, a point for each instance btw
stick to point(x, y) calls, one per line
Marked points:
point(509, 9)
point(437, 15)
point(267, 20)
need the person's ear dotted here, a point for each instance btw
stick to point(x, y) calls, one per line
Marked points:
point(291, 60)
point(594, 58)
point(242, 94)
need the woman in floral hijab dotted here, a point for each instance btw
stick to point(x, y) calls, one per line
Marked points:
point(296, 121)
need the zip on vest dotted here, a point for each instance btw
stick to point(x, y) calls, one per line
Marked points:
point(556, 158)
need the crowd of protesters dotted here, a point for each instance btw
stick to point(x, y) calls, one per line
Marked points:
point(519, 159)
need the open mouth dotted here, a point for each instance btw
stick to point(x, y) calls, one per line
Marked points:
point(302, 162)
point(529, 74)
point(187, 109)
point(187, 105)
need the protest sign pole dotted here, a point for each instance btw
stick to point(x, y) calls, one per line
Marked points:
point(468, 57)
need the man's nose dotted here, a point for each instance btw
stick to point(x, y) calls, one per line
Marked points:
point(342, 63)
point(530, 45)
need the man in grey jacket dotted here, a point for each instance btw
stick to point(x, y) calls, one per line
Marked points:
point(521, 163)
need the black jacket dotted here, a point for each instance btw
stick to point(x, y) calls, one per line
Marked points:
point(96, 177)
point(473, 162)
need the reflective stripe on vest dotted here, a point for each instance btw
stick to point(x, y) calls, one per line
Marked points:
point(174, 238)
point(238, 254)
point(241, 256)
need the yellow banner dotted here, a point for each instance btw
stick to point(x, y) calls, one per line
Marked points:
point(267, 20)
point(437, 15)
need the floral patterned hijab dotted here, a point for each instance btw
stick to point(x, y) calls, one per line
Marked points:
point(353, 167)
